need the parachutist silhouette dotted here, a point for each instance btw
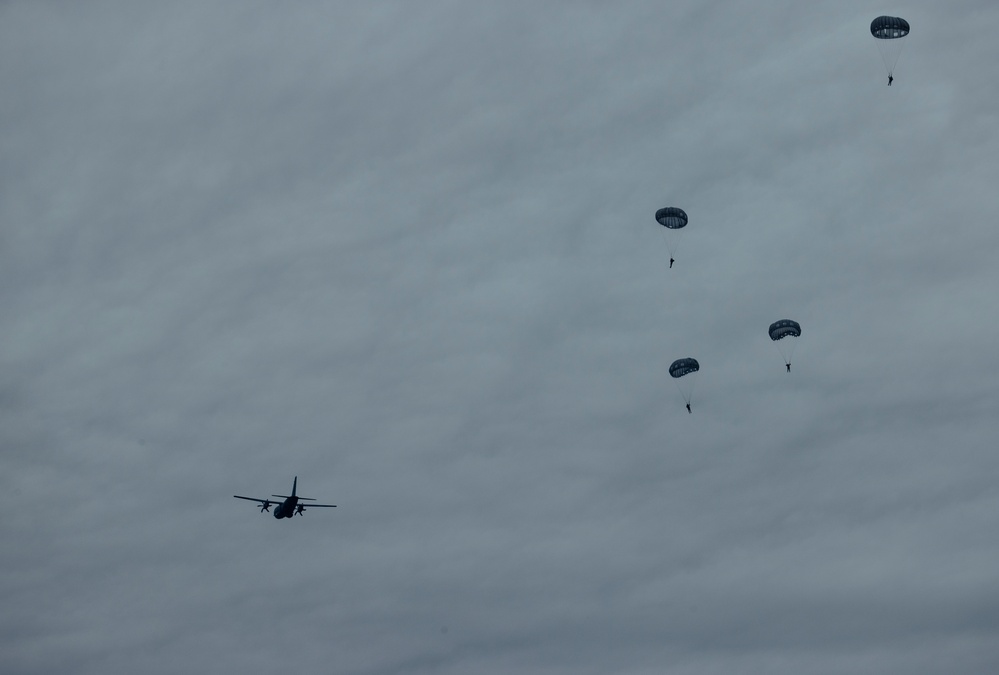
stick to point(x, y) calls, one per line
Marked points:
point(890, 33)
point(673, 220)
point(783, 330)
point(684, 368)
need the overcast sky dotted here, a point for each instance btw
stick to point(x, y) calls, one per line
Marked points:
point(406, 251)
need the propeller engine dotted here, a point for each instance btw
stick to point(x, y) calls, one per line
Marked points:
point(266, 506)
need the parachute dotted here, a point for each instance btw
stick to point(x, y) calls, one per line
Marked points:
point(682, 367)
point(682, 371)
point(890, 33)
point(779, 332)
point(673, 220)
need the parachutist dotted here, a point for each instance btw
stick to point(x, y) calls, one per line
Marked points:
point(684, 368)
point(779, 332)
point(673, 220)
point(890, 33)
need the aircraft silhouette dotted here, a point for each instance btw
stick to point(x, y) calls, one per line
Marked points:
point(290, 506)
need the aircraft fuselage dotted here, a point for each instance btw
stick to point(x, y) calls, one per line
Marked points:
point(286, 509)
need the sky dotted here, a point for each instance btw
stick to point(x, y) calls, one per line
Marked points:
point(407, 253)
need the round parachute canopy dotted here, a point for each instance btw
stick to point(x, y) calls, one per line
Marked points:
point(682, 367)
point(671, 218)
point(889, 27)
point(784, 328)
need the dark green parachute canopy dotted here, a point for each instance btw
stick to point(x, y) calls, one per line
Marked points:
point(784, 328)
point(671, 218)
point(889, 27)
point(682, 367)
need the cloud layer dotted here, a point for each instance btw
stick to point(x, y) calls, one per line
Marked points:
point(407, 253)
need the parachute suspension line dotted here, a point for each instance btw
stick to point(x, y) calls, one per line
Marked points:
point(786, 351)
point(672, 240)
point(898, 53)
point(669, 249)
point(891, 50)
point(686, 390)
point(683, 394)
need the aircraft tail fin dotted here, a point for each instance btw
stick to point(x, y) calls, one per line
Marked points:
point(294, 486)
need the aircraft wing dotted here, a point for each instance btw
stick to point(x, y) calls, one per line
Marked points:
point(274, 501)
point(254, 499)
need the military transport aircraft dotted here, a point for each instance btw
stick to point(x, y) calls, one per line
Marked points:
point(290, 506)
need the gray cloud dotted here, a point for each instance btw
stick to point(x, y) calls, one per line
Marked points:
point(407, 253)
